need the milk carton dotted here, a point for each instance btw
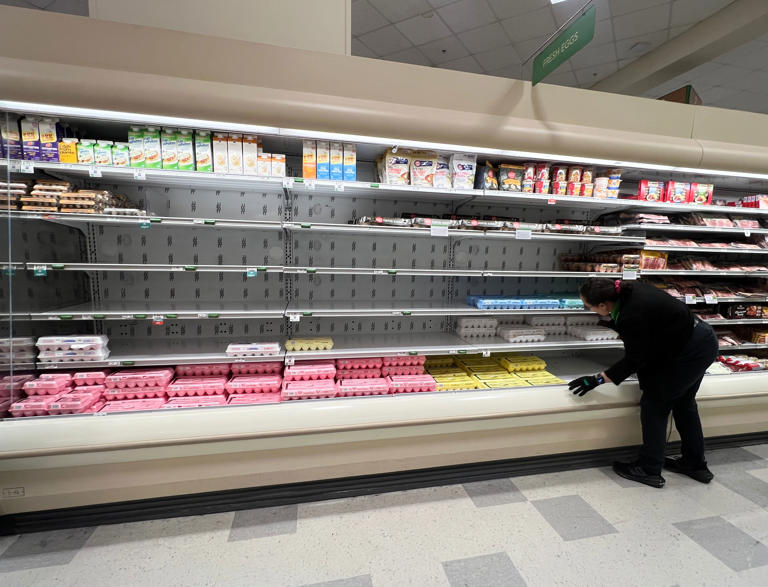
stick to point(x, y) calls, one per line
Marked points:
point(186, 150)
point(278, 165)
point(203, 151)
point(235, 153)
point(323, 160)
point(85, 154)
point(309, 160)
point(265, 164)
point(350, 162)
point(49, 139)
point(68, 150)
point(136, 146)
point(102, 153)
point(30, 138)
point(153, 151)
point(121, 156)
point(337, 161)
point(170, 148)
point(11, 136)
point(220, 155)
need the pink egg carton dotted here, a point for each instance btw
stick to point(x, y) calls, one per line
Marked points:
point(134, 393)
point(309, 389)
point(46, 386)
point(196, 401)
point(133, 405)
point(263, 368)
point(89, 377)
point(97, 389)
point(96, 407)
point(33, 406)
point(73, 403)
point(184, 386)
point(404, 360)
point(203, 370)
point(254, 384)
point(4, 405)
point(242, 399)
point(359, 363)
point(358, 373)
point(378, 386)
point(139, 378)
point(306, 370)
point(402, 370)
point(62, 375)
point(412, 383)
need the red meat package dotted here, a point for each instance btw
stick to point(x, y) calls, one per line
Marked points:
point(678, 192)
point(651, 191)
point(701, 193)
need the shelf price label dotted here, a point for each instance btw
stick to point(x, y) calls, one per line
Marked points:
point(710, 299)
point(158, 320)
point(486, 353)
point(251, 272)
point(290, 361)
point(551, 201)
point(310, 184)
point(139, 174)
point(339, 187)
point(288, 182)
point(25, 167)
point(690, 299)
point(629, 275)
point(747, 233)
point(40, 270)
point(294, 317)
point(144, 224)
point(523, 234)
point(438, 228)
point(94, 171)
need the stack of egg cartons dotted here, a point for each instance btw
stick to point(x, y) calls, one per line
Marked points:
point(476, 327)
point(86, 395)
point(361, 376)
point(521, 334)
point(593, 333)
point(309, 380)
point(254, 349)
point(198, 391)
point(486, 370)
point(41, 392)
point(136, 389)
point(16, 350)
point(11, 389)
point(582, 320)
point(530, 369)
point(258, 385)
point(72, 348)
point(553, 325)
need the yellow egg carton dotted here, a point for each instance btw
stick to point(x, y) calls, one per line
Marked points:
point(451, 376)
point(509, 382)
point(541, 378)
point(476, 361)
point(492, 376)
point(439, 361)
point(514, 364)
point(309, 344)
point(445, 373)
point(457, 384)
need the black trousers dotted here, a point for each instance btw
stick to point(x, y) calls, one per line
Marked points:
point(672, 388)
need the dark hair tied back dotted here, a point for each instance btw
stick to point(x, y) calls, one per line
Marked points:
point(598, 290)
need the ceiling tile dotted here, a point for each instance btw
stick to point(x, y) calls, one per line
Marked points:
point(619, 7)
point(444, 50)
point(603, 32)
point(530, 25)
point(624, 62)
point(484, 38)
point(638, 46)
point(420, 29)
point(365, 18)
point(511, 71)
point(467, 64)
point(591, 75)
point(439, 3)
point(678, 30)
point(508, 8)
point(562, 78)
point(745, 101)
point(750, 56)
point(718, 75)
point(526, 48)
point(641, 22)
point(412, 56)
point(385, 40)
point(715, 94)
point(397, 10)
point(499, 58)
point(693, 11)
point(466, 14)
point(359, 49)
point(594, 55)
point(565, 10)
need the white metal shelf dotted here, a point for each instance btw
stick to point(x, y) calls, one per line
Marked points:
point(329, 309)
point(703, 249)
point(737, 321)
point(175, 268)
point(694, 228)
point(161, 311)
point(694, 273)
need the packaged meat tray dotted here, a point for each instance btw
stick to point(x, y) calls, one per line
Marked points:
point(33, 406)
point(203, 370)
point(309, 344)
point(130, 378)
point(303, 371)
point(371, 373)
point(183, 386)
point(89, 378)
point(73, 356)
point(243, 399)
point(83, 343)
point(521, 334)
point(359, 363)
point(260, 368)
point(46, 386)
point(195, 402)
point(254, 384)
point(134, 405)
point(320, 388)
point(411, 383)
point(403, 360)
point(253, 349)
point(402, 370)
point(358, 387)
point(135, 393)
point(73, 403)
point(593, 333)
point(384, 221)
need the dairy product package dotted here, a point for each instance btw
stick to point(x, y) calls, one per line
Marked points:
point(278, 165)
point(102, 153)
point(220, 153)
point(30, 138)
point(442, 177)
point(462, 169)
point(136, 146)
point(185, 150)
point(250, 154)
point(309, 160)
point(68, 150)
point(394, 168)
point(510, 177)
point(85, 155)
point(203, 151)
point(170, 148)
point(235, 153)
point(121, 155)
point(153, 158)
point(264, 164)
point(323, 160)
point(49, 139)
point(423, 166)
point(350, 162)
point(337, 161)
point(10, 135)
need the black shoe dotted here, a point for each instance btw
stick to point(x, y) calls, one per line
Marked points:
point(635, 472)
point(701, 474)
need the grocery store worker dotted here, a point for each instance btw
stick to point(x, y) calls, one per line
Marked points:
point(670, 350)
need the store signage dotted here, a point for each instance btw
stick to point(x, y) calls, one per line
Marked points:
point(566, 45)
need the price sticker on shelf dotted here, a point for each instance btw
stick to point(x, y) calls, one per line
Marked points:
point(40, 270)
point(310, 184)
point(629, 275)
point(139, 174)
point(86, 316)
point(438, 229)
point(690, 299)
point(288, 182)
point(486, 353)
point(198, 221)
point(747, 233)
point(94, 171)
point(158, 320)
point(551, 201)
point(710, 299)
point(290, 361)
point(27, 167)
point(339, 187)
point(294, 317)
point(177, 268)
point(202, 315)
point(251, 272)
point(523, 234)
point(144, 224)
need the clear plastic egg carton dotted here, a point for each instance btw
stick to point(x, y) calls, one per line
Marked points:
point(46, 386)
point(73, 403)
point(476, 332)
point(203, 370)
point(248, 399)
point(79, 343)
point(73, 356)
point(521, 334)
point(265, 349)
point(254, 384)
point(372, 373)
point(476, 323)
point(538, 321)
point(195, 402)
point(184, 386)
point(593, 333)
point(387, 370)
point(129, 378)
point(403, 360)
point(133, 405)
point(582, 320)
point(319, 388)
point(17, 343)
point(135, 393)
point(260, 368)
point(310, 370)
point(360, 387)
point(359, 363)
point(36, 405)
point(18, 355)
point(82, 378)
point(309, 344)
point(412, 383)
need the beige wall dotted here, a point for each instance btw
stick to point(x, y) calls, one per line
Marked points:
point(316, 25)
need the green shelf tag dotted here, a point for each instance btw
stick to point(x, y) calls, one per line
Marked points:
point(413, 352)
point(374, 185)
point(298, 179)
point(311, 270)
point(213, 315)
point(261, 268)
point(306, 225)
point(155, 220)
point(406, 313)
point(139, 316)
point(306, 313)
point(127, 363)
point(65, 316)
point(57, 266)
point(99, 316)
point(210, 221)
point(171, 316)
point(462, 352)
point(190, 267)
point(392, 271)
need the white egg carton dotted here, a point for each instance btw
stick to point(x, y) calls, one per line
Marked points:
point(555, 330)
point(265, 349)
point(593, 333)
point(511, 320)
point(521, 334)
point(476, 323)
point(17, 355)
point(79, 343)
point(539, 321)
point(16, 344)
point(582, 320)
point(73, 356)
point(476, 332)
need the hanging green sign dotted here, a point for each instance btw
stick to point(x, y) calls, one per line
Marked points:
point(566, 45)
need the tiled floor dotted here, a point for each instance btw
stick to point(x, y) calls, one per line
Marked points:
point(585, 527)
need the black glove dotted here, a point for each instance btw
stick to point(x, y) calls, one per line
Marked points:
point(583, 385)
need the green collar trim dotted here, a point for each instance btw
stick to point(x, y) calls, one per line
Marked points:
point(615, 312)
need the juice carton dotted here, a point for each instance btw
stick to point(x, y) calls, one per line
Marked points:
point(203, 151)
point(136, 146)
point(68, 150)
point(102, 153)
point(264, 166)
point(85, 154)
point(350, 162)
point(11, 136)
point(186, 150)
point(250, 154)
point(278, 165)
point(323, 160)
point(309, 164)
point(337, 162)
point(235, 153)
point(220, 155)
point(153, 158)
point(49, 139)
point(121, 155)
point(169, 145)
point(30, 138)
